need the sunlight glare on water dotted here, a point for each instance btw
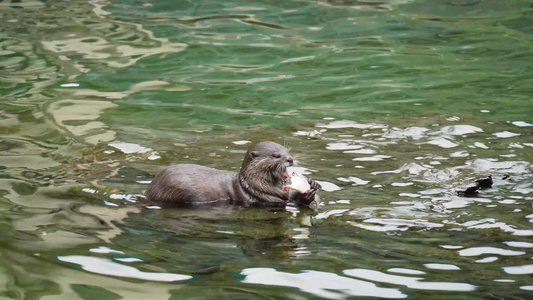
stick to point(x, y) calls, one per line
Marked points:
point(395, 108)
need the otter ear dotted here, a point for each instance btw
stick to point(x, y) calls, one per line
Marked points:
point(254, 154)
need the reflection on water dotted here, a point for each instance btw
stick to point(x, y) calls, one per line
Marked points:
point(392, 106)
point(322, 284)
point(411, 282)
point(108, 267)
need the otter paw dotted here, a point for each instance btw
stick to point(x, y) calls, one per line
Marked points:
point(313, 184)
point(310, 195)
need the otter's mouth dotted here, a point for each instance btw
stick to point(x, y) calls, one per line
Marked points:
point(285, 177)
point(281, 175)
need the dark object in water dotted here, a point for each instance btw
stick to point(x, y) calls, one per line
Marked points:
point(469, 192)
point(485, 182)
point(505, 177)
point(260, 182)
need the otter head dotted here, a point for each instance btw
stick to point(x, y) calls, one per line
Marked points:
point(264, 170)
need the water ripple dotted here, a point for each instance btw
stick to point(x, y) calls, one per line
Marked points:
point(410, 282)
point(321, 284)
point(107, 267)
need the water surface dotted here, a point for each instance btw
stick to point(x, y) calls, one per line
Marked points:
point(393, 106)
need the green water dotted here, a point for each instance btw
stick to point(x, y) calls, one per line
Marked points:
point(392, 106)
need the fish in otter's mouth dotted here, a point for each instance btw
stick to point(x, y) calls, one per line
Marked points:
point(285, 175)
point(298, 183)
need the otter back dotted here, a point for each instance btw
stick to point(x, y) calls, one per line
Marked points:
point(192, 184)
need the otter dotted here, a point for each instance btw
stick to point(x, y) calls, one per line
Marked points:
point(260, 182)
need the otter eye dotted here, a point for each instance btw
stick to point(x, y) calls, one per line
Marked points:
point(276, 155)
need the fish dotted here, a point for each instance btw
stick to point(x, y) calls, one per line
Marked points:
point(298, 183)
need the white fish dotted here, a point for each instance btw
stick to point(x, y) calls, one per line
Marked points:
point(298, 183)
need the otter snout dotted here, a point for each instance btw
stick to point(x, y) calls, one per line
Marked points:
point(290, 160)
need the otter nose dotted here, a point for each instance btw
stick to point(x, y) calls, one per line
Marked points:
point(290, 159)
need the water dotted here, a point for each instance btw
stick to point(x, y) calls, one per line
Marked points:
point(392, 106)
